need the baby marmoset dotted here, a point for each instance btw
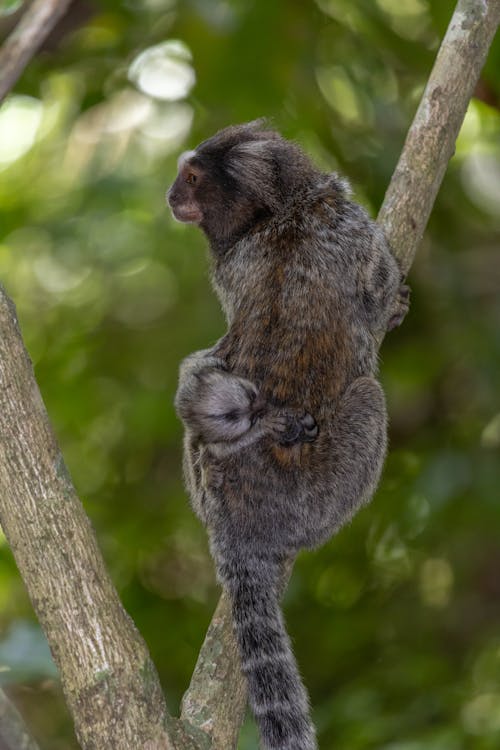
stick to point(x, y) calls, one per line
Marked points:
point(285, 424)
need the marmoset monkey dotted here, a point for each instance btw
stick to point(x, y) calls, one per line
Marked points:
point(285, 425)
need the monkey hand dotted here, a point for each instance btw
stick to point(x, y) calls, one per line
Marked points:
point(401, 307)
point(291, 428)
point(300, 429)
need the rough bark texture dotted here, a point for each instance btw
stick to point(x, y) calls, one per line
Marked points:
point(217, 705)
point(35, 25)
point(13, 732)
point(109, 681)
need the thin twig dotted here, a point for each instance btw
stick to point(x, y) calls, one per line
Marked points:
point(23, 43)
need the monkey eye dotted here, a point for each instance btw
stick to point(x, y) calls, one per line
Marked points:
point(191, 178)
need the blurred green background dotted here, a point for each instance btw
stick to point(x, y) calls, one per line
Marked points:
point(396, 622)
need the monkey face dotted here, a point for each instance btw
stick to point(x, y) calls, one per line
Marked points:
point(236, 181)
point(182, 196)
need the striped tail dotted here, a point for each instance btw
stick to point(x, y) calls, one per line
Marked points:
point(276, 694)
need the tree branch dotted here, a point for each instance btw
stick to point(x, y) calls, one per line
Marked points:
point(407, 205)
point(13, 732)
point(216, 700)
point(109, 681)
point(430, 142)
point(30, 33)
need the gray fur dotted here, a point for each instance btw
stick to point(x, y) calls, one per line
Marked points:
point(307, 282)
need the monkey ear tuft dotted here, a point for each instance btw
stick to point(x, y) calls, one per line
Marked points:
point(260, 123)
point(341, 183)
point(257, 130)
point(264, 127)
point(225, 140)
point(332, 185)
point(252, 163)
point(260, 149)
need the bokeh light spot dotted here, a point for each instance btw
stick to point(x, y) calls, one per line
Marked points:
point(164, 71)
point(20, 119)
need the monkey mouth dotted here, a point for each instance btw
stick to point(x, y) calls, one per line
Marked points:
point(187, 214)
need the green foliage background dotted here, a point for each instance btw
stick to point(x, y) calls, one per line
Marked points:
point(396, 622)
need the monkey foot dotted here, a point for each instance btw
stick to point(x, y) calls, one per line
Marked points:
point(300, 430)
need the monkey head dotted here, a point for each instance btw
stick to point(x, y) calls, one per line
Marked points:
point(237, 179)
point(182, 197)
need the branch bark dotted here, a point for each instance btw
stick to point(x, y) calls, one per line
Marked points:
point(225, 688)
point(109, 681)
point(34, 27)
point(430, 142)
point(404, 214)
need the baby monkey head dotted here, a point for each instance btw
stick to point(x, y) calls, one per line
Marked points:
point(242, 176)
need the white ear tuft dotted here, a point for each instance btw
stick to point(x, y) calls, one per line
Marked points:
point(184, 158)
point(253, 148)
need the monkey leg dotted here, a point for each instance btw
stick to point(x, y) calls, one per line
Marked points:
point(286, 427)
point(198, 361)
point(192, 367)
point(227, 412)
point(193, 475)
point(212, 402)
point(346, 461)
